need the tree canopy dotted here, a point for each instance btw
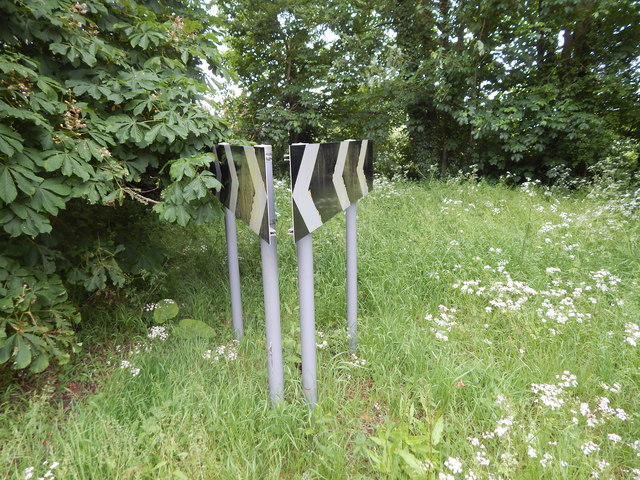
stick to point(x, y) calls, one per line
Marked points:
point(527, 87)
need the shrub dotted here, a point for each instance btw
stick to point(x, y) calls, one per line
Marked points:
point(102, 116)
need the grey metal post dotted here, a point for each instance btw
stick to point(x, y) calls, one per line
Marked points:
point(271, 288)
point(304, 248)
point(234, 273)
point(352, 277)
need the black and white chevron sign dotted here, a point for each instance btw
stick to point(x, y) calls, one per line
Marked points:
point(326, 179)
point(244, 189)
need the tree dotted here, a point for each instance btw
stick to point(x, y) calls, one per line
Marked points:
point(101, 117)
point(520, 86)
point(301, 67)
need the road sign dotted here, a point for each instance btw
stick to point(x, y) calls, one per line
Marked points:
point(326, 179)
point(244, 190)
point(247, 192)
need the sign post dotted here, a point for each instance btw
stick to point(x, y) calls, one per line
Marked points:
point(352, 276)
point(234, 273)
point(326, 179)
point(269, 253)
point(247, 193)
point(304, 248)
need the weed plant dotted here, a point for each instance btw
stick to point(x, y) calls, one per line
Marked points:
point(498, 337)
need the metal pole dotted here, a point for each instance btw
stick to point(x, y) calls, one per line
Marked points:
point(234, 273)
point(304, 248)
point(271, 288)
point(352, 277)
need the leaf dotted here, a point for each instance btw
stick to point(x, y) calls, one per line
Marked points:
point(182, 215)
point(25, 183)
point(6, 349)
point(165, 310)
point(97, 281)
point(89, 149)
point(56, 186)
point(48, 86)
point(63, 359)
point(6, 304)
point(8, 191)
point(153, 133)
point(190, 328)
point(40, 364)
point(59, 48)
point(414, 464)
point(23, 354)
point(194, 190)
point(10, 141)
point(436, 431)
point(69, 164)
point(210, 181)
point(49, 195)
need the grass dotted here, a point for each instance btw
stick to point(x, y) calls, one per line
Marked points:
point(488, 402)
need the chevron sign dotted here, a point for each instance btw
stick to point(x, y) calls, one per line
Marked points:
point(326, 179)
point(244, 190)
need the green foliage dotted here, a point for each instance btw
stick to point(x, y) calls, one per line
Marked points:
point(36, 317)
point(514, 87)
point(101, 108)
point(398, 450)
point(302, 67)
point(190, 328)
point(165, 310)
point(168, 309)
point(523, 87)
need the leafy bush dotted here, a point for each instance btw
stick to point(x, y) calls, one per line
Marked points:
point(101, 116)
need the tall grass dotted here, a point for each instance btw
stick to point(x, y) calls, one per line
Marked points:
point(496, 340)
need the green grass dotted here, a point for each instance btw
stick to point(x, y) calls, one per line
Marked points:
point(417, 400)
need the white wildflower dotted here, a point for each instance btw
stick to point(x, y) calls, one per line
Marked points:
point(633, 334)
point(504, 424)
point(126, 365)
point(454, 464)
point(356, 361)
point(158, 332)
point(482, 459)
point(589, 447)
point(550, 395)
point(546, 459)
point(614, 437)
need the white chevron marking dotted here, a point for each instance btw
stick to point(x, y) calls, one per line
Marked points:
point(233, 196)
point(301, 193)
point(260, 196)
point(338, 180)
point(360, 169)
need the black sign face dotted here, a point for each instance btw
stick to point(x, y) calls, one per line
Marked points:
point(244, 191)
point(326, 179)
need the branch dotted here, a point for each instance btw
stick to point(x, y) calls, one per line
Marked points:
point(142, 198)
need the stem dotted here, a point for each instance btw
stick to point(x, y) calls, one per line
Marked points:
point(140, 197)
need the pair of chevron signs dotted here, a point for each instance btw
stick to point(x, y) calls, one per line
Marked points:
point(326, 178)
